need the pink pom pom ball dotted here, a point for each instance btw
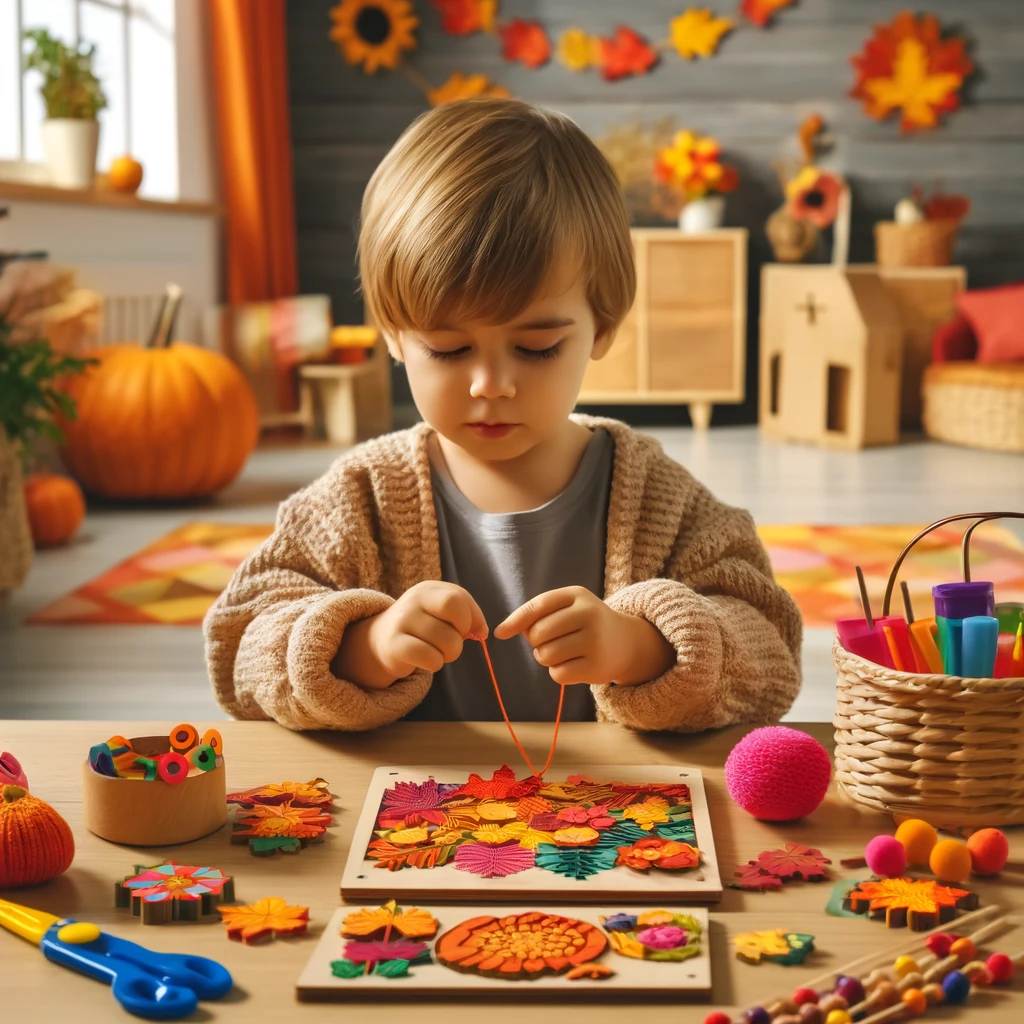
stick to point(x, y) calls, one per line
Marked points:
point(777, 773)
point(886, 856)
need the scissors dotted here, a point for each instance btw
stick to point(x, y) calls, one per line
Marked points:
point(157, 986)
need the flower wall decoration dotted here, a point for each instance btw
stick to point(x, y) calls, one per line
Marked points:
point(908, 66)
point(374, 33)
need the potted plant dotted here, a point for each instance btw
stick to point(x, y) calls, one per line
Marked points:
point(30, 372)
point(692, 168)
point(73, 97)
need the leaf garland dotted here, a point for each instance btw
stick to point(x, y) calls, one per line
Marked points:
point(761, 12)
point(697, 33)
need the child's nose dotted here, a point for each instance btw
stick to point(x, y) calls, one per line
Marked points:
point(492, 381)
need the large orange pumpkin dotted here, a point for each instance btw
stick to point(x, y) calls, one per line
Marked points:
point(160, 423)
point(35, 841)
point(55, 508)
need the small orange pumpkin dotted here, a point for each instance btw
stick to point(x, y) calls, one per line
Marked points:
point(159, 422)
point(35, 841)
point(125, 174)
point(55, 508)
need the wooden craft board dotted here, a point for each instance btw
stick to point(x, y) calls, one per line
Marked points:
point(363, 882)
point(688, 979)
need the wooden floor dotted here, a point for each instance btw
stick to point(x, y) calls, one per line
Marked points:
point(157, 672)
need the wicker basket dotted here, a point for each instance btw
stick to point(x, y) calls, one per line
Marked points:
point(937, 747)
point(15, 535)
point(976, 404)
point(928, 243)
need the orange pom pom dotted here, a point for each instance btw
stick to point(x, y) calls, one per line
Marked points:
point(950, 860)
point(35, 841)
point(963, 950)
point(989, 851)
point(918, 838)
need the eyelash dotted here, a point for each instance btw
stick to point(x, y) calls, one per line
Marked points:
point(527, 353)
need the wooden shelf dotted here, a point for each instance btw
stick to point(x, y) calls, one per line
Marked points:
point(35, 193)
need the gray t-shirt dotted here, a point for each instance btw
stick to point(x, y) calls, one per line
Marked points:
point(503, 560)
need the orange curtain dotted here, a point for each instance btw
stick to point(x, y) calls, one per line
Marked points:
point(250, 73)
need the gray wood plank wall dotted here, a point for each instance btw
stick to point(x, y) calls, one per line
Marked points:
point(752, 96)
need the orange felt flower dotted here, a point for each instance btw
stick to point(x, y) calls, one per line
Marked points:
point(814, 196)
point(264, 919)
point(526, 42)
point(374, 33)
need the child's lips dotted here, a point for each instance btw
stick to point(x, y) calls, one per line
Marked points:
point(493, 430)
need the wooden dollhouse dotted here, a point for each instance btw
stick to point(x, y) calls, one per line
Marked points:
point(831, 356)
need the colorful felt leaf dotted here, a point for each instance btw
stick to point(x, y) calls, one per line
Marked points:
point(626, 53)
point(923, 896)
point(794, 861)
point(578, 863)
point(464, 17)
point(490, 861)
point(347, 969)
point(394, 857)
point(404, 797)
point(278, 820)
point(412, 923)
point(651, 811)
point(525, 42)
point(495, 833)
point(753, 878)
point(408, 836)
point(682, 830)
point(373, 951)
point(911, 88)
point(698, 33)
point(625, 793)
point(777, 945)
point(500, 786)
point(314, 793)
point(761, 12)
point(266, 918)
point(464, 87)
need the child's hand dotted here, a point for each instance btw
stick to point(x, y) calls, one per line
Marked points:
point(579, 639)
point(425, 628)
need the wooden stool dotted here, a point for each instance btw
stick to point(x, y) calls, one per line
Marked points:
point(332, 387)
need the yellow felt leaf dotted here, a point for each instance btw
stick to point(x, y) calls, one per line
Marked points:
point(626, 945)
point(415, 923)
point(575, 836)
point(531, 839)
point(264, 919)
point(653, 811)
point(464, 87)
point(444, 837)
point(500, 833)
point(755, 945)
point(496, 810)
point(409, 836)
point(412, 923)
point(911, 87)
point(577, 50)
point(655, 917)
point(697, 32)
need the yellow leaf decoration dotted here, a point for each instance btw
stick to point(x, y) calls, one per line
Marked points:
point(464, 87)
point(698, 33)
point(496, 810)
point(445, 837)
point(409, 836)
point(911, 88)
point(265, 919)
point(577, 50)
point(626, 945)
point(655, 917)
point(532, 838)
point(653, 811)
point(578, 836)
point(776, 945)
point(500, 833)
point(413, 923)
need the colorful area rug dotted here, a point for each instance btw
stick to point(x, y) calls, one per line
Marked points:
point(176, 579)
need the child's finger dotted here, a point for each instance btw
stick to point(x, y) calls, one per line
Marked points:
point(410, 650)
point(536, 608)
point(550, 627)
point(440, 634)
point(456, 606)
point(561, 650)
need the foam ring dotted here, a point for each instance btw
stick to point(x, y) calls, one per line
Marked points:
point(204, 757)
point(183, 737)
point(172, 767)
point(148, 765)
point(212, 738)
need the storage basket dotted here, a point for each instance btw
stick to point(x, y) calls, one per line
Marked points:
point(928, 243)
point(980, 405)
point(938, 747)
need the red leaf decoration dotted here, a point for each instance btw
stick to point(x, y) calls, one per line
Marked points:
point(371, 952)
point(627, 793)
point(461, 17)
point(501, 785)
point(793, 861)
point(628, 53)
point(393, 857)
point(752, 877)
point(526, 42)
point(761, 12)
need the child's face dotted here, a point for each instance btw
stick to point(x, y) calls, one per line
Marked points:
point(497, 391)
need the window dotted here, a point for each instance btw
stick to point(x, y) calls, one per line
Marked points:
point(136, 63)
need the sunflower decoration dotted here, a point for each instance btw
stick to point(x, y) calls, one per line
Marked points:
point(374, 33)
point(692, 166)
point(814, 195)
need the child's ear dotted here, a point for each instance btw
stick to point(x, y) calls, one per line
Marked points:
point(393, 347)
point(602, 342)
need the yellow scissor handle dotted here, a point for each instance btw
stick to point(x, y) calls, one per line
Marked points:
point(24, 921)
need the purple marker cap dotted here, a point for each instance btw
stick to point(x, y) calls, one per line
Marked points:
point(962, 600)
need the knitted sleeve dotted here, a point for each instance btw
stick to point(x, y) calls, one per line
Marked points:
point(737, 633)
point(273, 632)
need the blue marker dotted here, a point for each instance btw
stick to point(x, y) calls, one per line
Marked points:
point(157, 986)
point(979, 640)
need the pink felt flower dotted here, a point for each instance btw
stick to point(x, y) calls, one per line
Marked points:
point(664, 936)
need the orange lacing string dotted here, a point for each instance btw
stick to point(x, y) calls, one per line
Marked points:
point(504, 714)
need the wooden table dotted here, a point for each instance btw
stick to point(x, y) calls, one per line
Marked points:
point(52, 754)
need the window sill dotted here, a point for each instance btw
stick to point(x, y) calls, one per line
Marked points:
point(37, 193)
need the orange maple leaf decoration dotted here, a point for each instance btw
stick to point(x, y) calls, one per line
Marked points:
point(268, 820)
point(908, 66)
point(314, 793)
point(627, 53)
point(761, 12)
point(464, 17)
point(526, 42)
point(264, 919)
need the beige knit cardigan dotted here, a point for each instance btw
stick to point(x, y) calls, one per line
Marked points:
point(349, 544)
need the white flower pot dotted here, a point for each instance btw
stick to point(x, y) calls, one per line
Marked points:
point(70, 144)
point(704, 214)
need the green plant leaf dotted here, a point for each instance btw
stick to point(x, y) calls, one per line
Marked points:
point(392, 968)
point(70, 88)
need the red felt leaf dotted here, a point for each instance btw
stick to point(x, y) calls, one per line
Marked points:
point(393, 857)
point(793, 861)
point(627, 53)
point(371, 952)
point(462, 17)
point(752, 877)
point(628, 793)
point(761, 12)
point(500, 786)
point(526, 42)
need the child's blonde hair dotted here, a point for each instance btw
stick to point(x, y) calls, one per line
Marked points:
point(473, 206)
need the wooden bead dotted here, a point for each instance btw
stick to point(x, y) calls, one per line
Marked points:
point(831, 1002)
point(912, 980)
point(805, 995)
point(1000, 966)
point(977, 972)
point(905, 965)
point(963, 950)
point(957, 987)
point(839, 1017)
point(933, 993)
point(850, 989)
point(915, 1002)
point(810, 1013)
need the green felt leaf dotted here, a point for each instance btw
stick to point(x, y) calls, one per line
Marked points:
point(679, 809)
point(681, 831)
point(347, 969)
point(263, 846)
point(625, 834)
point(392, 968)
point(665, 955)
point(576, 862)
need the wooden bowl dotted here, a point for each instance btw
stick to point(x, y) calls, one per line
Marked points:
point(137, 813)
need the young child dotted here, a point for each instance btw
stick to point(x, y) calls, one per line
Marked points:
point(495, 257)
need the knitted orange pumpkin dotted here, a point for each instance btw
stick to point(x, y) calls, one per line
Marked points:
point(55, 508)
point(35, 841)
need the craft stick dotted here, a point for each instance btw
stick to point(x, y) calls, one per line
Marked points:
point(890, 640)
point(908, 608)
point(865, 603)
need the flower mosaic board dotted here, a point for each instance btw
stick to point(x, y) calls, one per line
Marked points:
point(621, 950)
point(639, 833)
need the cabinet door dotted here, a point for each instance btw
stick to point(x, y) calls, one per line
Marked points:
point(617, 372)
point(692, 323)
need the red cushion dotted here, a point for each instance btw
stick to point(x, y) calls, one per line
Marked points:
point(954, 341)
point(997, 316)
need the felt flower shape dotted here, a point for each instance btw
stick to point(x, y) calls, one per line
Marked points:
point(283, 820)
point(464, 17)
point(814, 196)
point(665, 936)
point(666, 854)
point(464, 87)
point(578, 50)
point(171, 881)
point(371, 952)
point(576, 836)
point(493, 861)
point(698, 33)
point(620, 922)
point(373, 33)
point(264, 919)
point(598, 817)
point(653, 810)
point(692, 166)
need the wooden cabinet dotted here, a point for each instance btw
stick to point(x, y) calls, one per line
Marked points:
point(684, 340)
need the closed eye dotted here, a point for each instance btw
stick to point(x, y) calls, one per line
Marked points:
point(540, 353)
point(455, 353)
